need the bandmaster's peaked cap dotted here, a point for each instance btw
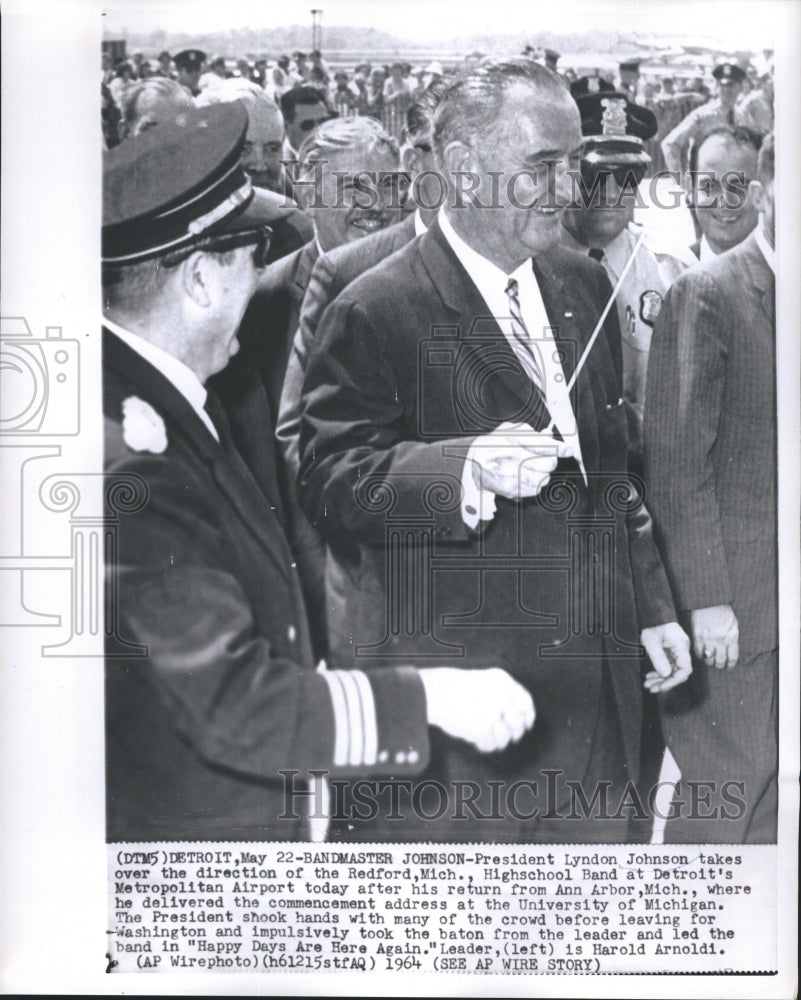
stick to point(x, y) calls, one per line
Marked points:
point(179, 182)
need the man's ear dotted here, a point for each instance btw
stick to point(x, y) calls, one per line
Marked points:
point(756, 194)
point(196, 276)
point(457, 157)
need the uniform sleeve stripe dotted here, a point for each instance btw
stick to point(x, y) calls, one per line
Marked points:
point(369, 718)
point(338, 704)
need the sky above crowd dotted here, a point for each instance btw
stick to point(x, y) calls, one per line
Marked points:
point(728, 24)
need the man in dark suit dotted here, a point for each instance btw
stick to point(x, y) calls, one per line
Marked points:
point(710, 436)
point(424, 416)
point(331, 273)
point(346, 182)
point(334, 270)
point(216, 692)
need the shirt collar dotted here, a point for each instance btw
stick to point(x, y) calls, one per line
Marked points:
point(768, 252)
point(419, 226)
point(175, 371)
point(705, 251)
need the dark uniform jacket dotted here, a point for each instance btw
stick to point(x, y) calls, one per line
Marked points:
point(227, 694)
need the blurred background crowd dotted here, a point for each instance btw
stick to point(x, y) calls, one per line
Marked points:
point(386, 90)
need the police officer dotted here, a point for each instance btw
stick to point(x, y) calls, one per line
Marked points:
point(721, 110)
point(189, 65)
point(600, 223)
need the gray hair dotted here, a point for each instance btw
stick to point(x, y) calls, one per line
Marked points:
point(158, 90)
point(471, 109)
point(256, 102)
point(342, 134)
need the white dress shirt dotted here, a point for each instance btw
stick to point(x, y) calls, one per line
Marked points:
point(491, 283)
point(175, 371)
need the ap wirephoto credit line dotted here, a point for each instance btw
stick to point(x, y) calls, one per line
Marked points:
point(400, 538)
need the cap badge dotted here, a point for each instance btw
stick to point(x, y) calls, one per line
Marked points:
point(142, 428)
point(613, 121)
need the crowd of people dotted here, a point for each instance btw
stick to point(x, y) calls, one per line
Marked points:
point(460, 485)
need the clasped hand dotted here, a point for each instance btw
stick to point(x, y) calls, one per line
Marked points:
point(515, 461)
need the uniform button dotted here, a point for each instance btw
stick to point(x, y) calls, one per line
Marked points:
point(413, 757)
point(291, 633)
point(558, 377)
point(400, 757)
point(383, 757)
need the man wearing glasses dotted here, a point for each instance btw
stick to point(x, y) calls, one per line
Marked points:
point(212, 690)
point(599, 224)
point(304, 109)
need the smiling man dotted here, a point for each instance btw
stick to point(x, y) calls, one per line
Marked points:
point(718, 189)
point(450, 470)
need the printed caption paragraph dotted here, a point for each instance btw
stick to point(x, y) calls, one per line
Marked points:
point(476, 909)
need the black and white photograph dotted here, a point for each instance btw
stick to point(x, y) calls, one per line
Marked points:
point(400, 554)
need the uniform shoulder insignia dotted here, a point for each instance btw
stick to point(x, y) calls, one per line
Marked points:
point(142, 428)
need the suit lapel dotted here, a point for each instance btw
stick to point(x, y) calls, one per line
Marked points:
point(480, 332)
point(761, 276)
point(231, 475)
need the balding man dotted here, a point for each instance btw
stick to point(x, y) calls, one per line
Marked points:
point(462, 487)
point(261, 156)
point(157, 99)
point(719, 195)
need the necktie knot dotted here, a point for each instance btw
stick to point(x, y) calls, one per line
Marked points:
point(596, 253)
point(511, 288)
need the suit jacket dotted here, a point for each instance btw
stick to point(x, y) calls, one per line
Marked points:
point(405, 371)
point(198, 729)
point(269, 324)
point(332, 272)
point(710, 434)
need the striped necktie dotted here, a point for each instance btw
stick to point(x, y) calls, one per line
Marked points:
point(520, 333)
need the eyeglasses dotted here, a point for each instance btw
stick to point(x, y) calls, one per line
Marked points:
point(311, 123)
point(625, 176)
point(259, 236)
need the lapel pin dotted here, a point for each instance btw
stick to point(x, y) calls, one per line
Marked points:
point(568, 315)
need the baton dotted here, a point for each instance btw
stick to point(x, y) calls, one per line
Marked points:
point(605, 313)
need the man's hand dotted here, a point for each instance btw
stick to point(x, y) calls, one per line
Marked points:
point(487, 708)
point(514, 461)
point(668, 649)
point(716, 636)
